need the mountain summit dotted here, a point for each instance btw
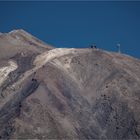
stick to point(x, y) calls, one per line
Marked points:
point(20, 41)
point(66, 93)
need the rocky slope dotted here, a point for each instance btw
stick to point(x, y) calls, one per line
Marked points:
point(61, 93)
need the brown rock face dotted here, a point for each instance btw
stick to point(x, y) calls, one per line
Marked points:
point(49, 93)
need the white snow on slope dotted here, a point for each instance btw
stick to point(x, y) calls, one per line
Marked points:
point(52, 54)
point(4, 71)
point(48, 56)
point(41, 60)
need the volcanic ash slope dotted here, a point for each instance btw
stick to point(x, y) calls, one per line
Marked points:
point(69, 94)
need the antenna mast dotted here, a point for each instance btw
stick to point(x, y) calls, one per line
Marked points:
point(119, 47)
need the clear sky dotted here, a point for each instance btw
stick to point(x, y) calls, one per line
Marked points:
point(77, 24)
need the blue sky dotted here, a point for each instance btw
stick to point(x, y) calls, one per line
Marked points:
point(77, 24)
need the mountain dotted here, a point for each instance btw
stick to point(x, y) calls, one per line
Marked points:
point(18, 41)
point(66, 93)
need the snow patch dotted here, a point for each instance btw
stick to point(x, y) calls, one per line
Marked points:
point(48, 56)
point(4, 71)
point(13, 31)
point(52, 54)
point(17, 37)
